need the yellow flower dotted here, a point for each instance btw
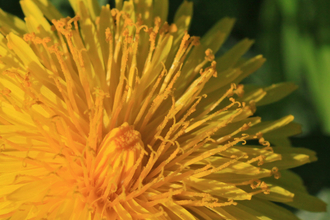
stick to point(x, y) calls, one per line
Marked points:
point(116, 114)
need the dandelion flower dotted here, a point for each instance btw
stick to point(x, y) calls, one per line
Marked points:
point(116, 114)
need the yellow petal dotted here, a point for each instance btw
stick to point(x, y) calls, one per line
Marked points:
point(28, 191)
point(220, 189)
point(93, 48)
point(277, 194)
point(264, 210)
point(224, 78)
point(119, 4)
point(160, 55)
point(223, 26)
point(94, 8)
point(23, 51)
point(104, 23)
point(143, 7)
point(122, 213)
point(249, 67)
point(178, 211)
point(161, 9)
point(301, 200)
point(22, 212)
point(277, 92)
point(255, 94)
point(265, 127)
point(12, 115)
point(184, 10)
point(10, 23)
point(31, 9)
point(48, 9)
point(285, 131)
point(291, 157)
point(66, 209)
point(207, 214)
point(230, 58)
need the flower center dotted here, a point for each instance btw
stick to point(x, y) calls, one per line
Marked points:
point(118, 160)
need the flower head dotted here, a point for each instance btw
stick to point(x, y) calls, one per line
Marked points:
point(116, 114)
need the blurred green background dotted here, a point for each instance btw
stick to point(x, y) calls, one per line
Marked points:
point(294, 36)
